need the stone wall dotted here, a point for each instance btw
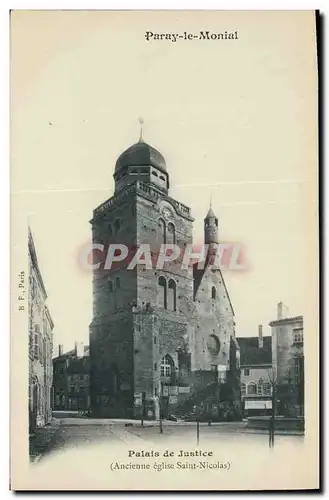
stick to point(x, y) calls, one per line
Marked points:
point(111, 365)
point(214, 319)
point(158, 333)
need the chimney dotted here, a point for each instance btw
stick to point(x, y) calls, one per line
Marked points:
point(260, 336)
point(79, 349)
point(282, 311)
point(60, 350)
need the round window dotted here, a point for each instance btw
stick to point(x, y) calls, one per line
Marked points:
point(213, 345)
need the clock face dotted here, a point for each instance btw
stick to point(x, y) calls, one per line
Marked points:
point(167, 213)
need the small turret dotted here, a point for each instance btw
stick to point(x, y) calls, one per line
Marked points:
point(211, 228)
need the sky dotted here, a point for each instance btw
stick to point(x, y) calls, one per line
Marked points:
point(235, 121)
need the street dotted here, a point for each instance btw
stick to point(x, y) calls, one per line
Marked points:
point(73, 433)
point(98, 452)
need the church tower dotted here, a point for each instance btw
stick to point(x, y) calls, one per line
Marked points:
point(157, 330)
point(140, 327)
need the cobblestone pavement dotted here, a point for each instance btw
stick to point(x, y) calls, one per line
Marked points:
point(41, 440)
point(74, 433)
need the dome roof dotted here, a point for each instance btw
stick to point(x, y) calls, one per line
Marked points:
point(141, 154)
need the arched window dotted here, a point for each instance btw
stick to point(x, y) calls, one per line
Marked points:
point(154, 173)
point(162, 178)
point(117, 224)
point(162, 231)
point(110, 286)
point(213, 345)
point(171, 237)
point(251, 388)
point(243, 389)
point(117, 283)
point(167, 367)
point(162, 292)
point(172, 295)
point(213, 292)
point(36, 397)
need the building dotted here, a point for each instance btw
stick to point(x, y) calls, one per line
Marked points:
point(40, 344)
point(71, 378)
point(256, 373)
point(156, 333)
point(288, 363)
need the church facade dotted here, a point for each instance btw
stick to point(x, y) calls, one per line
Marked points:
point(157, 334)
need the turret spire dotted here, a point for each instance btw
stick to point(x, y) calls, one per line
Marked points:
point(211, 227)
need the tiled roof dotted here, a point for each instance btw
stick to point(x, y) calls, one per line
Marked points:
point(283, 321)
point(252, 354)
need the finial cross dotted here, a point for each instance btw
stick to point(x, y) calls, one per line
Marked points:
point(141, 122)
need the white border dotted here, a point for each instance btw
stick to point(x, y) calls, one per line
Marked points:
point(166, 5)
point(6, 5)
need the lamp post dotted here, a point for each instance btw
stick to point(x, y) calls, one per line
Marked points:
point(273, 382)
point(272, 421)
point(143, 408)
point(197, 426)
point(161, 406)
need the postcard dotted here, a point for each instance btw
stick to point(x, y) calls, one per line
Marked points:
point(164, 250)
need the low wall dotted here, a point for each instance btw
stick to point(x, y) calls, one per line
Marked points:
point(281, 423)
